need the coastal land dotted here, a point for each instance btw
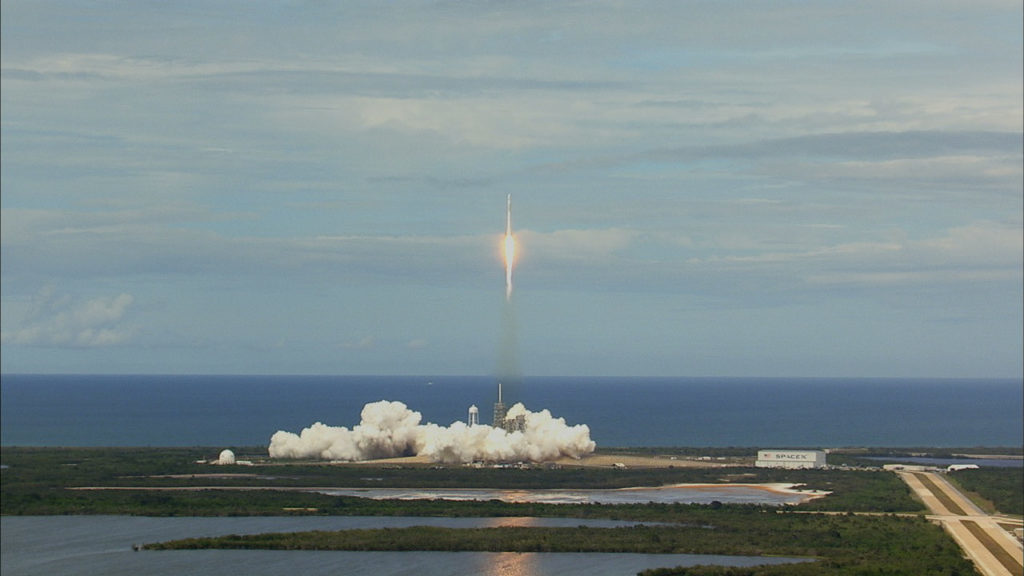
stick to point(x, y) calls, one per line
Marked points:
point(850, 518)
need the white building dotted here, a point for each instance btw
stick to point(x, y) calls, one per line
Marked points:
point(909, 468)
point(790, 459)
point(959, 467)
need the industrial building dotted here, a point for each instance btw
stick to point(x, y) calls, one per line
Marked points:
point(792, 459)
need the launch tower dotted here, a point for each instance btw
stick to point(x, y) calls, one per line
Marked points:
point(499, 411)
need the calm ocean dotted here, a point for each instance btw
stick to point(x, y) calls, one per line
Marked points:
point(64, 410)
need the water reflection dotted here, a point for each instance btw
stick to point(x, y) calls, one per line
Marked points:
point(512, 521)
point(511, 564)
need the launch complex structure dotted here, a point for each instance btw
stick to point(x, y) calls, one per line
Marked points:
point(516, 423)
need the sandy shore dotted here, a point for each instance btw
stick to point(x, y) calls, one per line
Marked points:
point(774, 487)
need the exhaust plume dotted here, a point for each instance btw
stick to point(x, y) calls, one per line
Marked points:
point(391, 429)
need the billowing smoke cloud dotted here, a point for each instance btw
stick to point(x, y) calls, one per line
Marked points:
point(390, 429)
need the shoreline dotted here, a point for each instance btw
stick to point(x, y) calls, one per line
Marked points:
point(454, 495)
point(783, 488)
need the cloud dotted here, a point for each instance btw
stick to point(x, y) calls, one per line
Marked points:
point(990, 243)
point(364, 343)
point(853, 146)
point(690, 150)
point(883, 145)
point(577, 245)
point(77, 244)
point(983, 251)
point(59, 320)
point(701, 253)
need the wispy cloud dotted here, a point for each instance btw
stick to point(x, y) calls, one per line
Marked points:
point(61, 321)
point(364, 343)
point(351, 159)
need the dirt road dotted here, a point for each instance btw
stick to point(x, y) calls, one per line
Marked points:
point(992, 549)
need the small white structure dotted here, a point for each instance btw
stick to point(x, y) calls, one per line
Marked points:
point(792, 459)
point(226, 457)
point(909, 468)
point(959, 467)
point(474, 415)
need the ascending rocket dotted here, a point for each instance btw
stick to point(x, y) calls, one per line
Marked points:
point(508, 216)
point(510, 247)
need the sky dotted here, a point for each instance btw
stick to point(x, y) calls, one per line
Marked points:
point(782, 189)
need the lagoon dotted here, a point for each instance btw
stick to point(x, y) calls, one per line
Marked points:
point(79, 545)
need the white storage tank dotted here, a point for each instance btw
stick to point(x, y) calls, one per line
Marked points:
point(792, 459)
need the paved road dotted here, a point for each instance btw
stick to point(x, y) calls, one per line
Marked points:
point(993, 550)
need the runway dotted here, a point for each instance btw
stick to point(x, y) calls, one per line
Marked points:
point(994, 551)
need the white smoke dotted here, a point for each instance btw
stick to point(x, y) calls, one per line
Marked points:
point(390, 429)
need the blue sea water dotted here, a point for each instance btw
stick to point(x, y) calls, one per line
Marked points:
point(146, 410)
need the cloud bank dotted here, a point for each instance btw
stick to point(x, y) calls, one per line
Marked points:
point(332, 201)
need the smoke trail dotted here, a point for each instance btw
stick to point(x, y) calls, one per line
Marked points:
point(390, 429)
point(508, 371)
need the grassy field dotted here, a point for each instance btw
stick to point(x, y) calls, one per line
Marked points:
point(994, 489)
point(39, 481)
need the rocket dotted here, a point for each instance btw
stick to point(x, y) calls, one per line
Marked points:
point(508, 216)
point(510, 247)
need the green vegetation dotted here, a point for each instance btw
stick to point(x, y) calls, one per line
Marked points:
point(999, 486)
point(169, 481)
point(842, 544)
point(863, 456)
point(852, 490)
point(38, 481)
